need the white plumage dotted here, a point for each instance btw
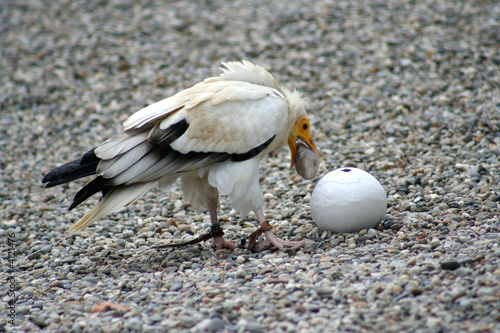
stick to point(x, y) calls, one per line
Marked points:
point(211, 135)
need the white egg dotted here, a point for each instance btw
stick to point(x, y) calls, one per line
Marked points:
point(348, 200)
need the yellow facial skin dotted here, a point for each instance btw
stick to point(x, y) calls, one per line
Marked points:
point(301, 131)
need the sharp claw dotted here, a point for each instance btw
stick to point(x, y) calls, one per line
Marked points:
point(271, 239)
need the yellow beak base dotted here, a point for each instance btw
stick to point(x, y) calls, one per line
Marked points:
point(302, 132)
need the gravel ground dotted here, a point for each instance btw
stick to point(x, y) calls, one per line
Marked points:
point(408, 91)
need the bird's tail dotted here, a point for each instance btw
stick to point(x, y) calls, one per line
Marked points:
point(116, 198)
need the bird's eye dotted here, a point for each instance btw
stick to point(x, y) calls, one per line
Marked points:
point(304, 126)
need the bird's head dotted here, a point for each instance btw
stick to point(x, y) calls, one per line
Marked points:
point(301, 131)
point(299, 127)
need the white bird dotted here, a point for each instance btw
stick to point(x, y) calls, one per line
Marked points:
point(211, 135)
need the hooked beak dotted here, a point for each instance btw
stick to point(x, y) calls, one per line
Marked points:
point(302, 132)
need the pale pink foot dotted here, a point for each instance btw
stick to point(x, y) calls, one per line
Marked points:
point(219, 242)
point(271, 238)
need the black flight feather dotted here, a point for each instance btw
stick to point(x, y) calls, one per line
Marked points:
point(79, 168)
point(96, 185)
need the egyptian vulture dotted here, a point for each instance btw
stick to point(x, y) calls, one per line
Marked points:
point(211, 136)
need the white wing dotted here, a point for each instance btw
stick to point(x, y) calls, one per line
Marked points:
point(233, 126)
point(209, 123)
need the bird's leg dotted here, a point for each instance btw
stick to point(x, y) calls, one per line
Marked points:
point(271, 238)
point(219, 242)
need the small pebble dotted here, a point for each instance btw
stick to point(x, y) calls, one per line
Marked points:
point(176, 285)
point(450, 265)
point(209, 325)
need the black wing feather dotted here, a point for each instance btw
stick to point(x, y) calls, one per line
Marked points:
point(79, 168)
point(163, 158)
point(96, 185)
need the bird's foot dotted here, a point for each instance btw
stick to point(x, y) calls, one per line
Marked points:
point(271, 239)
point(215, 233)
point(219, 242)
point(218, 239)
